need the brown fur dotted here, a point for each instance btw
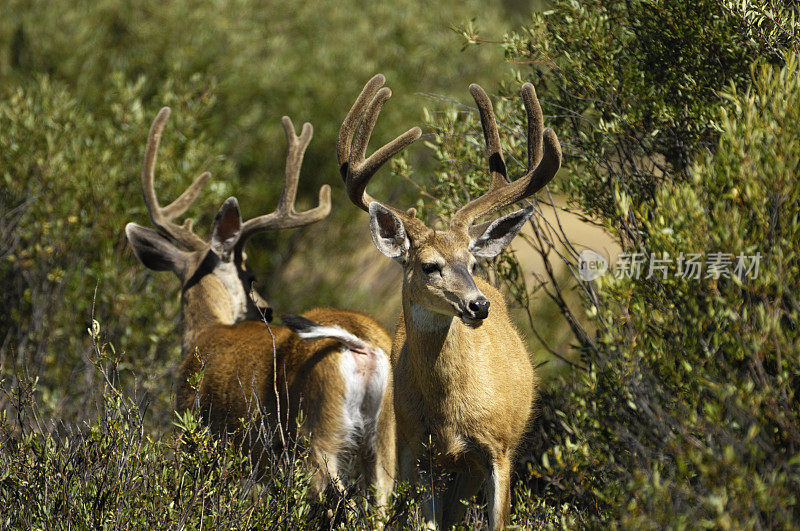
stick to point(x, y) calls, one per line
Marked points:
point(237, 363)
point(463, 395)
point(237, 354)
point(463, 382)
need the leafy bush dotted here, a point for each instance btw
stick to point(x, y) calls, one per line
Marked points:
point(261, 59)
point(70, 174)
point(112, 473)
point(634, 86)
point(690, 411)
point(682, 406)
point(80, 83)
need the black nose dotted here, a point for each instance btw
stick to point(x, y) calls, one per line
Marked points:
point(479, 308)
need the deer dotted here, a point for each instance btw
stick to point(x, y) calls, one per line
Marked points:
point(337, 369)
point(464, 386)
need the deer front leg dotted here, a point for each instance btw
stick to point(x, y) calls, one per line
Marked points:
point(432, 486)
point(407, 463)
point(499, 492)
point(463, 487)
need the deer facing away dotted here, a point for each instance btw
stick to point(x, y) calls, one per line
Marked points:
point(340, 374)
point(464, 386)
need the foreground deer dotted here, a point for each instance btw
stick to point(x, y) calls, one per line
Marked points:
point(340, 372)
point(463, 381)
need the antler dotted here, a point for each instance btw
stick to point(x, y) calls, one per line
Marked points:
point(355, 170)
point(285, 216)
point(162, 216)
point(544, 159)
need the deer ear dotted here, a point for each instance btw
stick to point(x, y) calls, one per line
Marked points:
point(388, 232)
point(155, 251)
point(227, 228)
point(494, 237)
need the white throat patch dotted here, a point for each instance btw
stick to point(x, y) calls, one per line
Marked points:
point(227, 274)
point(428, 321)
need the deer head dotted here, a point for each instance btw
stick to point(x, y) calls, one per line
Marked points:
point(438, 264)
point(218, 262)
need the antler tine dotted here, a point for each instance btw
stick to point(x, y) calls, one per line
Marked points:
point(535, 125)
point(497, 165)
point(544, 160)
point(285, 216)
point(350, 124)
point(294, 160)
point(354, 137)
point(162, 216)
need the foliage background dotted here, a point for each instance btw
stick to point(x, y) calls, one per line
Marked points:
point(677, 403)
point(82, 81)
point(678, 122)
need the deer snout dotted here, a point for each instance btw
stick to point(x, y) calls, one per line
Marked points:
point(479, 308)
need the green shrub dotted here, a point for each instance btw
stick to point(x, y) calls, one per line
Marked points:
point(633, 87)
point(681, 408)
point(73, 175)
point(111, 473)
point(265, 59)
point(688, 413)
point(80, 83)
point(697, 386)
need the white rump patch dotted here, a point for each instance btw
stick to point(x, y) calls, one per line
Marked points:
point(365, 378)
point(365, 372)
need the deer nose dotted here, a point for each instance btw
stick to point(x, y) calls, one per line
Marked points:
point(479, 307)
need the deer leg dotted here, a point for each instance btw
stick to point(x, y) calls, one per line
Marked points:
point(377, 470)
point(463, 487)
point(368, 464)
point(327, 481)
point(436, 484)
point(498, 492)
point(383, 474)
point(432, 487)
point(326, 474)
point(407, 463)
point(383, 448)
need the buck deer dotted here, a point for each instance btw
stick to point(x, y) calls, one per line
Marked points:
point(464, 386)
point(338, 368)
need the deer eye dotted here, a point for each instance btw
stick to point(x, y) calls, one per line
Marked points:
point(430, 268)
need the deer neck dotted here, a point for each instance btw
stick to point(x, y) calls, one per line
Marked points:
point(435, 342)
point(204, 305)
